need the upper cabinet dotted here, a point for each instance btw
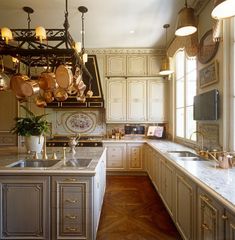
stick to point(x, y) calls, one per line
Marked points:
point(132, 65)
point(116, 65)
point(136, 65)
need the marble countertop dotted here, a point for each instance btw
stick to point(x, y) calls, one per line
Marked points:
point(59, 168)
point(219, 182)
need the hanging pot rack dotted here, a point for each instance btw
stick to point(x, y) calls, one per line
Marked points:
point(58, 48)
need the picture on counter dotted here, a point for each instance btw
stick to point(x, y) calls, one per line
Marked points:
point(209, 74)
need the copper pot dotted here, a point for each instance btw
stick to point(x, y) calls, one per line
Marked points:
point(64, 76)
point(16, 83)
point(40, 102)
point(48, 96)
point(47, 81)
point(29, 88)
point(60, 94)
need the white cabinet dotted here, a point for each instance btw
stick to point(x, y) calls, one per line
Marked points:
point(154, 63)
point(116, 100)
point(210, 221)
point(185, 206)
point(136, 100)
point(124, 156)
point(116, 156)
point(157, 100)
point(230, 226)
point(134, 156)
point(116, 65)
point(167, 182)
point(136, 65)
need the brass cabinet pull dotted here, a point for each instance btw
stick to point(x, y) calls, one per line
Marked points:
point(224, 217)
point(205, 226)
point(70, 180)
point(71, 216)
point(71, 200)
point(71, 229)
point(205, 198)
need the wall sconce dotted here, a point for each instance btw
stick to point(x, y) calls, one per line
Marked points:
point(6, 34)
point(223, 9)
point(186, 23)
point(41, 33)
point(165, 64)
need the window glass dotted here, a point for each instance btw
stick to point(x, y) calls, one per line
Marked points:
point(180, 122)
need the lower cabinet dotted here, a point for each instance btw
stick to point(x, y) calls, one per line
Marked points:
point(167, 184)
point(71, 207)
point(211, 217)
point(185, 211)
point(25, 208)
point(230, 225)
point(124, 156)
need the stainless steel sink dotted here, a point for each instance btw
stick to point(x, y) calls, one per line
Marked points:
point(186, 156)
point(78, 162)
point(182, 154)
point(39, 163)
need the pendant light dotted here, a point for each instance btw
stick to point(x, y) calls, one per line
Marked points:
point(165, 64)
point(186, 23)
point(223, 9)
point(83, 10)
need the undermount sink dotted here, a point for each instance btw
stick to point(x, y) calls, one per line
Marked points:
point(78, 162)
point(186, 156)
point(39, 163)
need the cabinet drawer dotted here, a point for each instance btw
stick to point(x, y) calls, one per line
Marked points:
point(115, 164)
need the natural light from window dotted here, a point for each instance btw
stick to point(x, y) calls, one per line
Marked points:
point(186, 85)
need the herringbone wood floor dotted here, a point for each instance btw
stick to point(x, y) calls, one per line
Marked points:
point(132, 210)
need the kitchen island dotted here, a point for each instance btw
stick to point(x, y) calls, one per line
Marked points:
point(57, 202)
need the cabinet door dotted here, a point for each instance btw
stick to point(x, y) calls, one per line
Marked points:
point(157, 100)
point(116, 100)
point(136, 100)
point(230, 225)
point(167, 180)
point(25, 208)
point(154, 63)
point(185, 206)
point(136, 65)
point(156, 169)
point(116, 65)
point(210, 225)
point(134, 156)
point(71, 206)
point(116, 156)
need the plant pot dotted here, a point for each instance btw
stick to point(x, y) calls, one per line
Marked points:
point(34, 143)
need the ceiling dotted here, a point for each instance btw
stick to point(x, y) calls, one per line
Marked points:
point(108, 23)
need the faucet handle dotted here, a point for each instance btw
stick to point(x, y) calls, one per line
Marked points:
point(54, 156)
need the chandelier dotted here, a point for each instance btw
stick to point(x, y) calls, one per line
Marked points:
point(61, 59)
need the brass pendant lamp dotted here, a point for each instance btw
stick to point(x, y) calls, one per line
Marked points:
point(186, 23)
point(223, 9)
point(165, 64)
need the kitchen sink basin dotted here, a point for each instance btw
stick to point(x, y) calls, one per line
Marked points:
point(78, 162)
point(182, 154)
point(186, 156)
point(39, 163)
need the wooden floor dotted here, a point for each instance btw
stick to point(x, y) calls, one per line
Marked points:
point(132, 210)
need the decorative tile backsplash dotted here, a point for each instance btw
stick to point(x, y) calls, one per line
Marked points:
point(74, 121)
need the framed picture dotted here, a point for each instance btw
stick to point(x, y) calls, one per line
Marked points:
point(209, 74)
point(207, 48)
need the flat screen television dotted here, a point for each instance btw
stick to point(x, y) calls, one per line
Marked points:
point(206, 106)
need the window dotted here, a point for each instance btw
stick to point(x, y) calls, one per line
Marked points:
point(185, 90)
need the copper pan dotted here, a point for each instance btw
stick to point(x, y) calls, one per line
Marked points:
point(16, 83)
point(64, 76)
point(29, 88)
point(40, 102)
point(47, 81)
point(48, 96)
point(60, 94)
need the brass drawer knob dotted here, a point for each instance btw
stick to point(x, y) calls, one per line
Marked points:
point(224, 217)
point(71, 200)
point(71, 229)
point(71, 217)
point(205, 226)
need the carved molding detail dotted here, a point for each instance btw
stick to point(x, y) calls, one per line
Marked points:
point(198, 5)
point(126, 51)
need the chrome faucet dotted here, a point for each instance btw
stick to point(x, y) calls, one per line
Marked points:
point(201, 149)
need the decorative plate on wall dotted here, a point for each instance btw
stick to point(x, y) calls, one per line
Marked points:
point(207, 48)
point(80, 122)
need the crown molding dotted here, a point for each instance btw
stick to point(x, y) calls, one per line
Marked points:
point(126, 51)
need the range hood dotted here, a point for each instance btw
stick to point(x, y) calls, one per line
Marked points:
point(97, 100)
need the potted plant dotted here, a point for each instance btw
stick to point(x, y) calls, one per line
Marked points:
point(32, 127)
